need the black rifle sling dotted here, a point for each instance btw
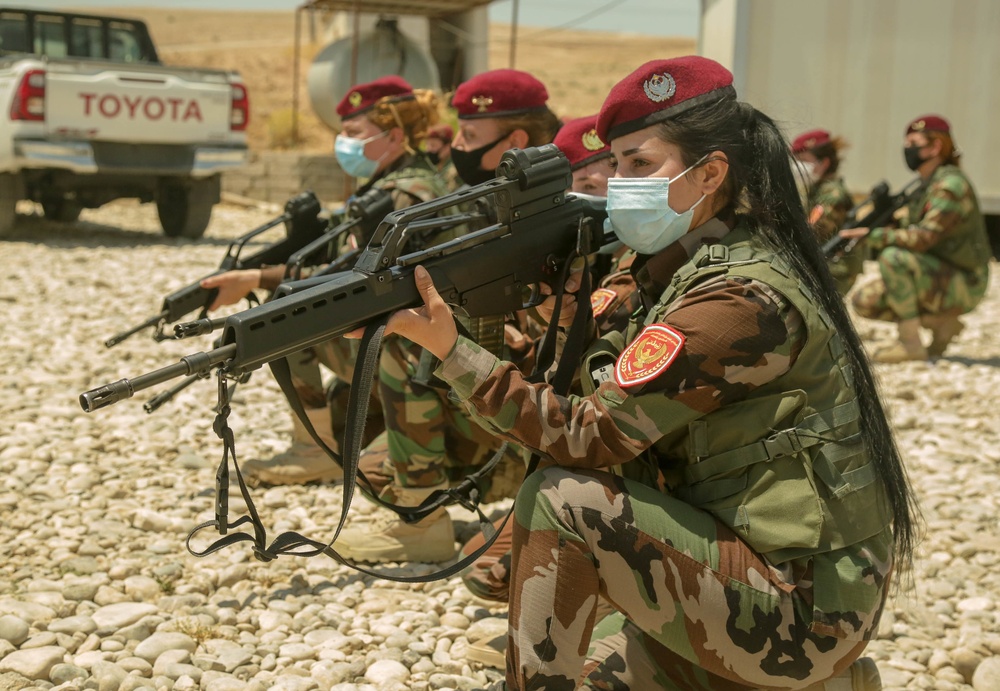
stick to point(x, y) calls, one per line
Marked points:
point(293, 542)
point(465, 494)
point(221, 522)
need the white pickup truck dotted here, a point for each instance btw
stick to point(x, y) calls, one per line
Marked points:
point(88, 114)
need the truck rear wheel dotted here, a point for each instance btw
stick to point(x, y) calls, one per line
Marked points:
point(185, 208)
point(8, 203)
point(61, 209)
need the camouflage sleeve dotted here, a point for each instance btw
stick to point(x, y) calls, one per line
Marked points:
point(943, 211)
point(739, 336)
point(828, 214)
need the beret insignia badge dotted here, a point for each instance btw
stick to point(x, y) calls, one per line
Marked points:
point(919, 125)
point(591, 142)
point(355, 99)
point(659, 87)
point(482, 102)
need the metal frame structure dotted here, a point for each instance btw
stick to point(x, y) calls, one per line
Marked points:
point(423, 8)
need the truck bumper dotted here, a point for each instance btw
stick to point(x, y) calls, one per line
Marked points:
point(139, 159)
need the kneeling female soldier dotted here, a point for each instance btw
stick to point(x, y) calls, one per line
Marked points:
point(730, 483)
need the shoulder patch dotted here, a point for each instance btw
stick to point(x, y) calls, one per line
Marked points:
point(649, 354)
point(815, 214)
point(601, 299)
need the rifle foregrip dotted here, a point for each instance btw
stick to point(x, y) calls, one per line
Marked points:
point(106, 395)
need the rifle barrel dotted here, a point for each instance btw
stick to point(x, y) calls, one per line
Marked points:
point(164, 396)
point(126, 388)
point(119, 337)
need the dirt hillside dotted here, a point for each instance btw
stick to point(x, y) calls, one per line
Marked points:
point(578, 67)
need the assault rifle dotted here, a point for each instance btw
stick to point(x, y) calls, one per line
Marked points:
point(491, 271)
point(302, 226)
point(875, 210)
point(363, 214)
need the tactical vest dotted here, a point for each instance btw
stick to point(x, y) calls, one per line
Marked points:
point(968, 247)
point(785, 468)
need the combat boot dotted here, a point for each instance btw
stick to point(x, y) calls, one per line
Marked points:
point(945, 327)
point(908, 347)
point(862, 675)
point(389, 538)
point(303, 461)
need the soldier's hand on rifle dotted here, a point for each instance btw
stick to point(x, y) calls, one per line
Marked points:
point(431, 325)
point(854, 233)
point(568, 310)
point(233, 286)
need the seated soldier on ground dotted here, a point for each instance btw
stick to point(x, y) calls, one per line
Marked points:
point(934, 261)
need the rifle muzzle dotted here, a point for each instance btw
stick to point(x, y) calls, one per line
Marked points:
point(198, 327)
point(106, 395)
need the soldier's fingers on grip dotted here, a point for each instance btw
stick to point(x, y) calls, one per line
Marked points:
point(408, 323)
point(425, 286)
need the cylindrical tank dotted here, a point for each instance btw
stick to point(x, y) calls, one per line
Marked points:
point(381, 51)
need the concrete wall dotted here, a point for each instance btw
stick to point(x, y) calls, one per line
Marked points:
point(863, 70)
point(276, 176)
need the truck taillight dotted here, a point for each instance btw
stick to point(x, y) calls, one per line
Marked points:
point(239, 114)
point(29, 98)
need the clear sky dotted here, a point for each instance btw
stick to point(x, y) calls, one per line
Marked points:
point(650, 17)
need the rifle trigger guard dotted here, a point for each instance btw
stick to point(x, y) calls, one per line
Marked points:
point(533, 297)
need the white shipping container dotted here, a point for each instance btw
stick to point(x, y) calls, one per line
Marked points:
point(863, 69)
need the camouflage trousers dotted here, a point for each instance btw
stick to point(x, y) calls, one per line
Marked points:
point(429, 438)
point(697, 608)
point(339, 356)
point(502, 483)
point(914, 283)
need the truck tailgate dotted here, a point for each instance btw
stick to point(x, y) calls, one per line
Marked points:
point(137, 105)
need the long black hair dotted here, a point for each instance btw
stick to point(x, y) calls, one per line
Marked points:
point(760, 188)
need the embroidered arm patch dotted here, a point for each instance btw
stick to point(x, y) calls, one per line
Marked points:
point(649, 354)
point(601, 299)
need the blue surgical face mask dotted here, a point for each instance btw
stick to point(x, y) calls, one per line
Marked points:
point(639, 213)
point(350, 153)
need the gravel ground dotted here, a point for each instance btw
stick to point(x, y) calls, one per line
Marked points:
point(97, 589)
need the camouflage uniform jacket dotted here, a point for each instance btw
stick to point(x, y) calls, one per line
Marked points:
point(747, 357)
point(944, 221)
point(827, 204)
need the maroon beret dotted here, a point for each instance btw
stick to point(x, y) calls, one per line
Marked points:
point(442, 132)
point(497, 93)
point(810, 140)
point(579, 141)
point(929, 123)
point(662, 89)
point(363, 97)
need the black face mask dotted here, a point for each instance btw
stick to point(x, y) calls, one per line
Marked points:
point(433, 156)
point(913, 158)
point(468, 164)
